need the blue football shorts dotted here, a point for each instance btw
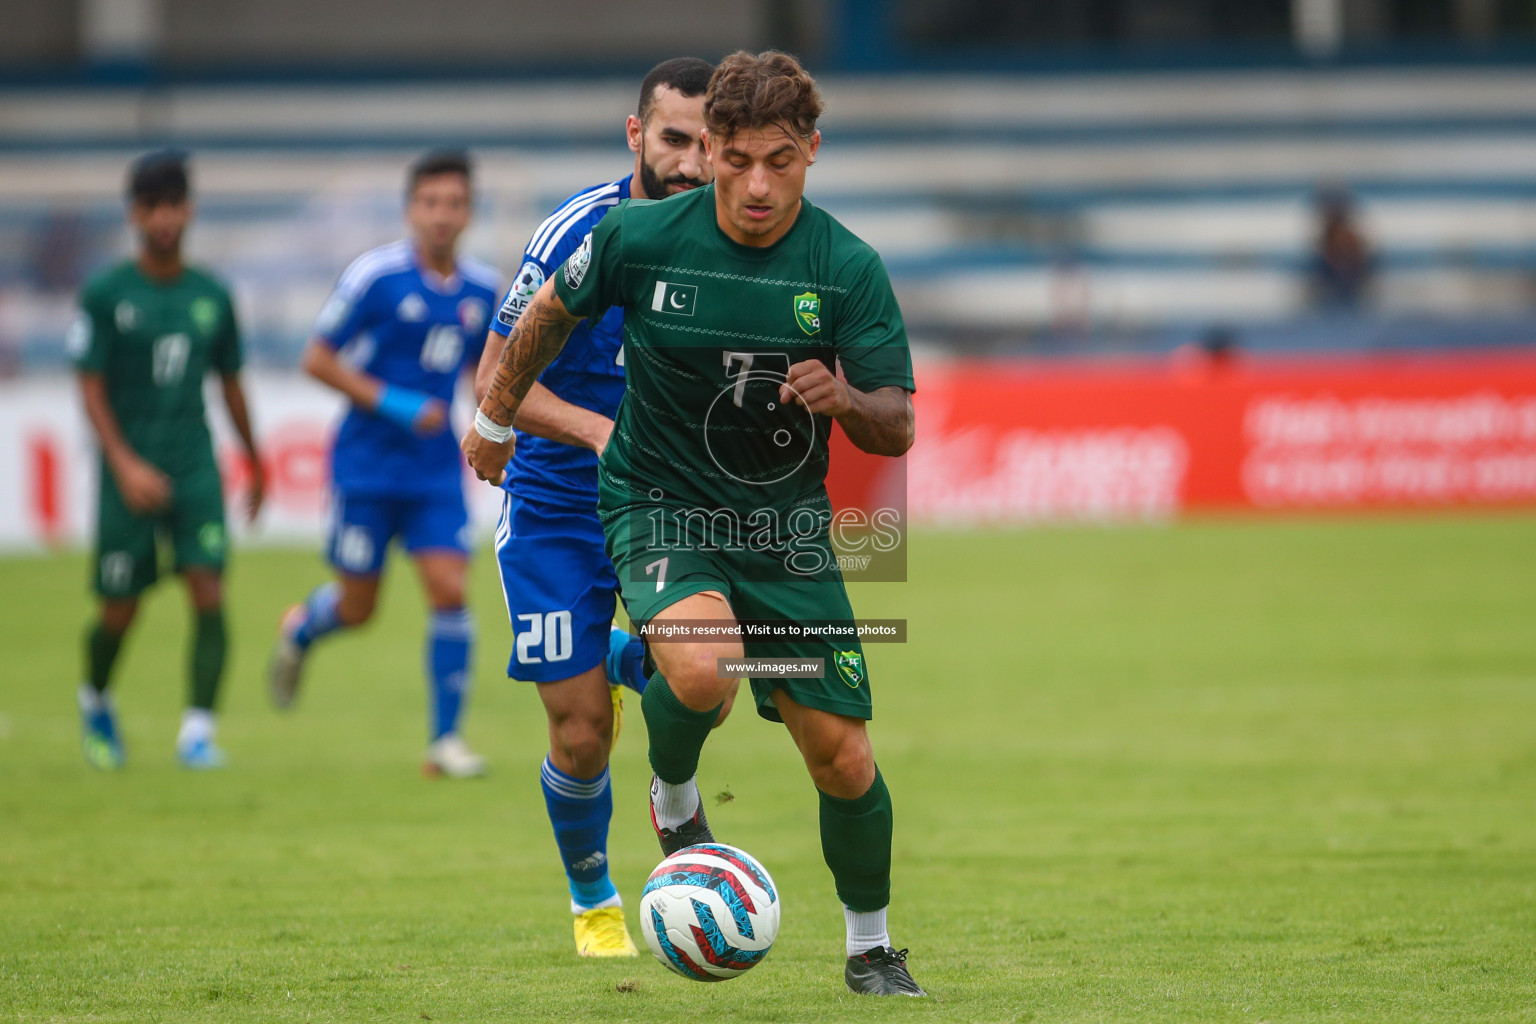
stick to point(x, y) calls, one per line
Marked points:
point(561, 590)
point(363, 525)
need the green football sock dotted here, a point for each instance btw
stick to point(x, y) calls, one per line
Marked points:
point(677, 731)
point(208, 647)
point(856, 842)
point(101, 647)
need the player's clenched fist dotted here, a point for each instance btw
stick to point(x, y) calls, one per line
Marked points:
point(144, 488)
point(488, 456)
point(814, 386)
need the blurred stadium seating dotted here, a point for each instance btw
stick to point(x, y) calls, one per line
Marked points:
point(1055, 213)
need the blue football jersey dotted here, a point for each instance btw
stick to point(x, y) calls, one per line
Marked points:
point(588, 372)
point(403, 324)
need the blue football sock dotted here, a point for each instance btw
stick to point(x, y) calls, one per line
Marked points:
point(319, 615)
point(579, 810)
point(448, 640)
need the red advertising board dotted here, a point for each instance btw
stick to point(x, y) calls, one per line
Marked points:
point(1020, 442)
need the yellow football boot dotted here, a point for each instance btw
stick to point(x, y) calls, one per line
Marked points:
point(602, 932)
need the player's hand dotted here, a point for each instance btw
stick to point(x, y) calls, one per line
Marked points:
point(432, 417)
point(487, 458)
point(257, 493)
point(144, 488)
point(814, 386)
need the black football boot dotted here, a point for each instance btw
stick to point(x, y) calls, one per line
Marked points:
point(881, 971)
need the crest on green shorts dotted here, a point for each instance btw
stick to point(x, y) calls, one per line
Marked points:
point(211, 537)
point(205, 315)
point(850, 665)
point(808, 312)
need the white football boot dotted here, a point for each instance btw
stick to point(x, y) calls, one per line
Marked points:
point(450, 757)
point(285, 665)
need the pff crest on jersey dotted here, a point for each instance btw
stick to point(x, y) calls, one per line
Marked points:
point(808, 312)
point(205, 314)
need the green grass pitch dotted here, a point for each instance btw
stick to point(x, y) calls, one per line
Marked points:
point(1233, 771)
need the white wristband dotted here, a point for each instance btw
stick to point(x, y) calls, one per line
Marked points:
point(490, 429)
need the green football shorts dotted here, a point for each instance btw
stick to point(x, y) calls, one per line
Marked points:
point(128, 545)
point(656, 570)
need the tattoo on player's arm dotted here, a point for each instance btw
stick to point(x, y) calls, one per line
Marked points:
point(538, 337)
point(880, 422)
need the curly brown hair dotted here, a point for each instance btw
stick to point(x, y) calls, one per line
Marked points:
point(759, 90)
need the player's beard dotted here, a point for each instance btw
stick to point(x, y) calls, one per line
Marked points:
point(656, 187)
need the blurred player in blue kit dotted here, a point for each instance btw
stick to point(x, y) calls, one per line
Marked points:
point(560, 587)
point(405, 322)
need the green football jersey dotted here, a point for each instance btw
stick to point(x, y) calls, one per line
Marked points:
point(154, 342)
point(711, 328)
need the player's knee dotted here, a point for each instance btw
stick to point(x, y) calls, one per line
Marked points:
point(692, 672)
point(447, 597)
point(584, 743)
point(354, 609)
point(845, 768)
point(117, 616)
point(442, 579)
point(204, 589)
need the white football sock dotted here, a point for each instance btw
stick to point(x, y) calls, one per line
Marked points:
point(90, 700)
point(674, 804)
point(612, 901)
point(196, 724)
point(865, 930)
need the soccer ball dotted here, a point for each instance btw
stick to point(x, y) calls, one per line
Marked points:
point(710, 912)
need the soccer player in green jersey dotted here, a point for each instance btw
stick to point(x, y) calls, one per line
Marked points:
point(150, 330)
point(752, 320)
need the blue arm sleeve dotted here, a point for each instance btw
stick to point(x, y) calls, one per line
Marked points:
point(401, 405)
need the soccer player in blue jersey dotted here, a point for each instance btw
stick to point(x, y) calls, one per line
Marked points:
point(560, 587)
point(405, 322)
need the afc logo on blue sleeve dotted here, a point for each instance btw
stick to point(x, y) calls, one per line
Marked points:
point(524, 286)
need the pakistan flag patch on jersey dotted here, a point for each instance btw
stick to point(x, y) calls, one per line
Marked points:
point(205, 315)
point(850, 665)
point(808, 312)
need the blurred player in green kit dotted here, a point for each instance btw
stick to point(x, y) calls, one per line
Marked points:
point(150, 330)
